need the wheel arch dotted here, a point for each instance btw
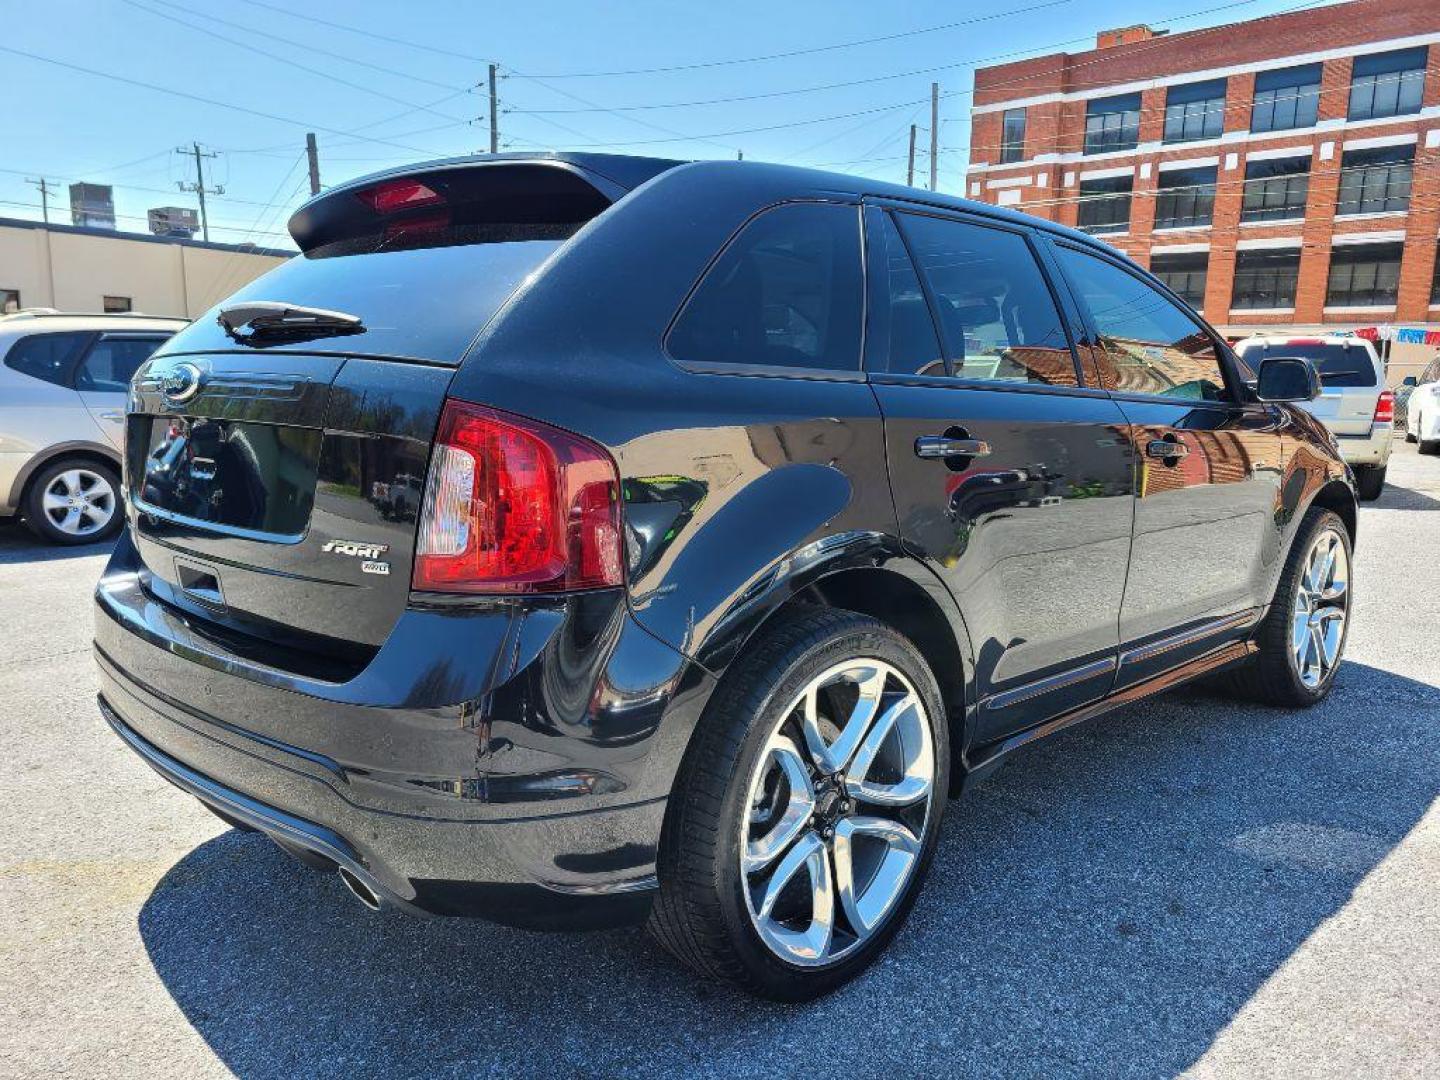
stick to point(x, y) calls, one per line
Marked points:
point(903, 595)
point(95, 453)
point(1337, 496)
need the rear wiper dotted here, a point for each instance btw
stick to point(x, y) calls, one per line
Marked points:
point(253, 322)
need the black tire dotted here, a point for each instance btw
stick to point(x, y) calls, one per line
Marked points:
point(1409, 435)
point(39, 520)
point(701, 914)
point(1370, 481)
point(1272, 677)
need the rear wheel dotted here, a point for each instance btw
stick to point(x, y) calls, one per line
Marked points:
point(1370, 481)
point(807, 809)
point(74, 501)
point(1303, 636)
point(1427, 446)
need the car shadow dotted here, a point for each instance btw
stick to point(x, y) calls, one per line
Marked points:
point(1104, 904)
point(19, 545)
point(1394, 497)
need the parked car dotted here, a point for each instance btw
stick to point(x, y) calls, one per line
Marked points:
point(1354, 403)
point(1420, 417)
point(765, 509)
point(1422, 422)
point(63, 382)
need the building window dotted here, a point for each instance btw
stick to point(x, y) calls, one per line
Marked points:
point(115, 305)
point(1276, 189)
point(1265, 279)
point(1112, 123)
point(1105, 204)
point(1364, 275)
point(1288, 98)
point(1012, 137)
point(1185, 198)
point(1376, 181)
point(1195, 111)
point(1388, 84)
point(9, 301)
point(1184, 273)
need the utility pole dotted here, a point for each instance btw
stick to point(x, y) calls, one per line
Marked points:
point(494, 114)
point(199, 187)
point(910, 167)
point(312, 151)
point(44, 186)
point(934, 134)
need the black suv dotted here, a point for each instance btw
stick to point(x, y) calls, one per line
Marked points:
point(762, 511)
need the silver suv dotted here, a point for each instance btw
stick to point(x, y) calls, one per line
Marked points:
point(1354, 403)
point(63, 385)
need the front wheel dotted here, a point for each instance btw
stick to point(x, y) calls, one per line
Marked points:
point(1303, 636)
point(1370, 482)
point(807, 809)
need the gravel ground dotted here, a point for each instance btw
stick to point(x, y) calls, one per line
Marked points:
point(1185, 885)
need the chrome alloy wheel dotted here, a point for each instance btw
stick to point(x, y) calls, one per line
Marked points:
point(79, 502)
point(1322, 602)
point(838, 805)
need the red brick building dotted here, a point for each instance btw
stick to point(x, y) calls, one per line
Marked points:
point(1279, 172)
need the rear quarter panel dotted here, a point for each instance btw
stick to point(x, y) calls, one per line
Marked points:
point(733, 484)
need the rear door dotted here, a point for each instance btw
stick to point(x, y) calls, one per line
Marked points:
point(1011, 480)
point(102, 378)
point(1209, 468)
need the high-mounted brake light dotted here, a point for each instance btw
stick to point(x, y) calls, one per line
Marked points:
point(394, 195)
point(1385, 408)
point(516, 506)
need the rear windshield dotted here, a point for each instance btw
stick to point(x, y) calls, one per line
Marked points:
point(1338, 365)
point(427, 300)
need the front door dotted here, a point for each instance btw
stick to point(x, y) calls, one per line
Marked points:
point(1209, 467)
point(1011, 481)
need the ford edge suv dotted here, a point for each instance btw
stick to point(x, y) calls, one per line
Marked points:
point(763, 511)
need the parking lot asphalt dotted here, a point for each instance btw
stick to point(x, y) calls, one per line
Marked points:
point(1189, 884)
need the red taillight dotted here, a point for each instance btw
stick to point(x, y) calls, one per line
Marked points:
point(516, 506)
point(395, 195)
point(1385, 407)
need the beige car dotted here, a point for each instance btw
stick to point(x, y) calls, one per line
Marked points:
point(63, 384)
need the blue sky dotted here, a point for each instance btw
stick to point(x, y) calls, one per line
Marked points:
point(376, 98)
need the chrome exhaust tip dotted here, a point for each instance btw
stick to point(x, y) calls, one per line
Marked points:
point(362, 892)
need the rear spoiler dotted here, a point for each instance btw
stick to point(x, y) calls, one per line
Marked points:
point(510, 189)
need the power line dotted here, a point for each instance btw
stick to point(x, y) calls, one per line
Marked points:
point(308, 48)
point(388, 39)
point(327, 76)
point(812, 50)
point(204, 100)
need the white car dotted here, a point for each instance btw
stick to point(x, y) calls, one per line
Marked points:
point(1353, 403)
point(1422, 422)
point(63, 384)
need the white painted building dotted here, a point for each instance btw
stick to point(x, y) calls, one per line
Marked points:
point(72, 268)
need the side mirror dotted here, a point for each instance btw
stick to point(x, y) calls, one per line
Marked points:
point(1287, 378)
point(1410, 380)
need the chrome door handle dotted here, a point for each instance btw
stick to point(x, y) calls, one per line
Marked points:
point(1164, 448)
point(942, 446)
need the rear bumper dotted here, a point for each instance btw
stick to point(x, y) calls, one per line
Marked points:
point(1371, 449)
point(528, 788)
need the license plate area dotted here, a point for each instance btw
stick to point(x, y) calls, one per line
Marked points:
point(252, 479)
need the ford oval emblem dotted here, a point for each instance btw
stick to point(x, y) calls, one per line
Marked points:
point(182, 383)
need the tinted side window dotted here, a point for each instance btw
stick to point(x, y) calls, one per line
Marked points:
point(47, 356)
point(1149, 345)
point(786, 292)
point(998, 320)
point(112, 363)
point(914, 348)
